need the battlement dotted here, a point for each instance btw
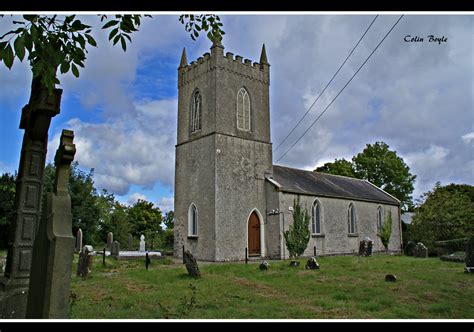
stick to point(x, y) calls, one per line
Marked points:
point(216, 60)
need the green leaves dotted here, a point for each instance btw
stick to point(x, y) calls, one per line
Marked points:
point(194, 24)
point(297, 237)
point(7, 56)
point(123, 26)
point(19, 47)
point(74, 70)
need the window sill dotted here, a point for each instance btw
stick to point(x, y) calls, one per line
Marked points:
point(192, 237)
point(318, 235)
point(353, 235)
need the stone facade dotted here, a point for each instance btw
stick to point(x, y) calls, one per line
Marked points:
point(222, 172)
point(334, 238)
point(220, 168)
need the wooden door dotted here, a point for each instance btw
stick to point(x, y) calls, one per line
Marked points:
point(254, 235)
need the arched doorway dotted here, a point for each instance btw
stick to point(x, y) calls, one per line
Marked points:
point(254, 235)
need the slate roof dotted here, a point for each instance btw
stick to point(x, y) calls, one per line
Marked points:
point(299, 181)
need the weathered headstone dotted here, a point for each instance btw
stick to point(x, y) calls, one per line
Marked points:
point(470, 256)
point(84, 265)
point(365, 247)
point(53, 250)
point(142, 243)
point(264, 265)
point(391, 278)
point(312, 264)
point(35, 120)
point(410, 248)
point(110, 240)
point(79, 240)
point(115, 249)
point(421, 250)
point(191, 264)
point(294, 263)
point(130, 239)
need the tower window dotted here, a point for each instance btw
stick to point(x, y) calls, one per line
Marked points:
point(192, 220)
point(243, 110)
point(196, 112)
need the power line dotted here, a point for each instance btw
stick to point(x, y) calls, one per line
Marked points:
point(334, 99)
point(309, 109)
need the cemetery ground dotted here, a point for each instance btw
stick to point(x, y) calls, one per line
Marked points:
point(350, 287)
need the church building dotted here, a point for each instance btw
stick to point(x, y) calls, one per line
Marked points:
point(229, 197)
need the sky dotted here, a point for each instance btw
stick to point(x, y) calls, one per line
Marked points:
point(416, 96)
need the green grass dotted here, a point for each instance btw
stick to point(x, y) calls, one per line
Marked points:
point(345, 287)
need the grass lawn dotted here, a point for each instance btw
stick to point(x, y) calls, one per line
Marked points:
point(345, 287)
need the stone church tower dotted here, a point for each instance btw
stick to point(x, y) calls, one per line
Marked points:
point(223, 152)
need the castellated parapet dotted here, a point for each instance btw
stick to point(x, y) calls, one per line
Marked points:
point(258, 71)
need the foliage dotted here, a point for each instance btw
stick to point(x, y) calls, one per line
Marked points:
point(338, 167)
point(114, 218)
point(444, 213)
point(168, 220)
point(7, 202)
point(297, 236)
point(196, 23)
point(145, 219)
point(386, 230)
point(52, 42)
point(450, 246)
point(380, 166)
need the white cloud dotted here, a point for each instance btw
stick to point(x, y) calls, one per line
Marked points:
point(133, 198)
point(165, 204)
point(468, 138)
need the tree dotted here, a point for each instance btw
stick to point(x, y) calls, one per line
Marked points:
point(61, 42)
point(7, 199)
point(297, 236)
point(338, 167)
point(168, 220)
point(386, 231)
point(145, 219)
point(168, 234)
point(444, 213)
point(382, 167)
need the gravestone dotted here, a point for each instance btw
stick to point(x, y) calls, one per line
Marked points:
point(365, 247)
point(391, 278)
point(53, 250)
point(84, 264)
point(312, 264)
point(142, 243)
point(421, 250)
point(191, 264)
point(264, 265)
point(110, 240)
point(130, 239)
point(115, 249)
point(470, 256)
point(35, 120)
point(79, 240)
point(410, 248)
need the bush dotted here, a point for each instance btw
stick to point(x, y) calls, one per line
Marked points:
point(450, 246)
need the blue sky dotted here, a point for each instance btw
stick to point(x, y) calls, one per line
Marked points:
point(416, 97)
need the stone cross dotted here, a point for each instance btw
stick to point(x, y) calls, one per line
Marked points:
point(35, 120)
point(79, 240)
point(53, 250)
point(142, 243)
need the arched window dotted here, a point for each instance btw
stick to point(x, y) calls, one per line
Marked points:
point(192, 220)
point(379, 218)
point(196, 111)
point(243, 110)
point(351, 219)
point(317, 217)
